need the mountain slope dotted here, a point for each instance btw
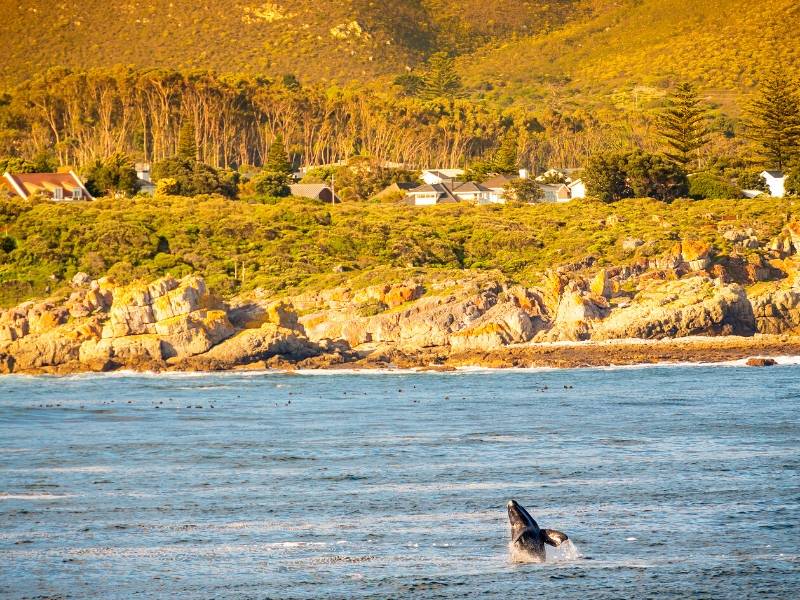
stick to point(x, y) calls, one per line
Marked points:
point(317, 40)
point(636, 48)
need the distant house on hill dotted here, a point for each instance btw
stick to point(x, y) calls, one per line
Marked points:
point(446, 193)
point(776, 181)
point(54, 186)
point(577, 189)
point(315, 191)
point(433, 177)
point(497, 186)
point(145, 179)
point(398, 189)
point(556, 192)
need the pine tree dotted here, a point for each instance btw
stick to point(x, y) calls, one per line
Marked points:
point(187, 141)
point(277, 159)
point(505, 159)
point(441, 79)
point(684, 126)
point(774, 122)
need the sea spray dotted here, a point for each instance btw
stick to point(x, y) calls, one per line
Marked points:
point(566, 552)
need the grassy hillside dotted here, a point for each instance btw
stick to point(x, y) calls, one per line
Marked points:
point(298, 243)
point(630, 51)
point(316, 40)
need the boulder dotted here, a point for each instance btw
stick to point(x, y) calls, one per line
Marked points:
point(501, 325)
point(195, 333)
point(55, 347)
point(777, 312)
point(252, 345)
point(81, 279)
point(761, 362)
point(575, 316)
point(132, 351)
point(693, 306)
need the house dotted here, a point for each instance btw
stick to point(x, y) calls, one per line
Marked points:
point(396, 190)
point(497, 188)
point(433, 177)
point(577, 189)
point(145, 179)
point(776, 181)
point(54, 186)
point(315, 191)
point(555, 192)
point(445, 193)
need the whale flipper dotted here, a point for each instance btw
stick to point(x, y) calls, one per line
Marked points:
point(553, 537)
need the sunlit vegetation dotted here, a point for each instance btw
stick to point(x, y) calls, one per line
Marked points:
point(299, 244)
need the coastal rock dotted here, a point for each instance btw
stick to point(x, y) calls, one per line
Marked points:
point(575, 317)
point(133, 351)
point(193, 333)
point(252, 345)
point(778, 312)
point(761, 362)
point(57, 346)
point(693, 306)
point(501, 325)
point(81, 279)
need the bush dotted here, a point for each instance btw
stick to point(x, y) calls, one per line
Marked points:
point(612, 177)
point(705, 185)
point(793, 181)
point(272, 184)
point(193, 178)
point(752, 180)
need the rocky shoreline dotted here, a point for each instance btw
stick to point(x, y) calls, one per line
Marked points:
point(674, 309)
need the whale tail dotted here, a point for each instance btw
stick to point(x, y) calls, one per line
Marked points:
point(553, 537)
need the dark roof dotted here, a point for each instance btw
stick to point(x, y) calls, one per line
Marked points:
point(775, 174)
point(469, 186)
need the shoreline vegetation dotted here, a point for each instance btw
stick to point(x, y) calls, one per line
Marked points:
point(208, 284)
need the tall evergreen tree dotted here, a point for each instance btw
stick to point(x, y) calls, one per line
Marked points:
point(505, 159)
point(441, 79)
point(277, 158)
point(774, 122)
point(187, 141)
point(684, 125)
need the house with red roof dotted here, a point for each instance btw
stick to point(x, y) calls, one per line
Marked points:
point(54, 186)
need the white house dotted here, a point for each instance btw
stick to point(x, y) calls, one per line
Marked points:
point(577, 189)
point(54, 186)
point(448, 193)
point(435, 176)
point(555, 192)
point(776, 181)
point(145, 179)
point(497, 188)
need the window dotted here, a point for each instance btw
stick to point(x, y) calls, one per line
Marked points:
point(58, 194)
point(77, 194)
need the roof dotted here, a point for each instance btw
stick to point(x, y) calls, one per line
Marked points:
point(469, 186)
point(441, 189)
point(572, 184)
point(498, 181)
point(774, 174)
point(25, 184)
point(310, 190)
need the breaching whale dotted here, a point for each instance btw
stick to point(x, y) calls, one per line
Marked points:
point(527, 539)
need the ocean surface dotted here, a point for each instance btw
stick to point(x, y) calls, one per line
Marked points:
point(672, 482)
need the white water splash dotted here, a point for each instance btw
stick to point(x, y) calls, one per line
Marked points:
point(566, 552)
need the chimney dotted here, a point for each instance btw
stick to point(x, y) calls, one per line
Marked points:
point(523, 174)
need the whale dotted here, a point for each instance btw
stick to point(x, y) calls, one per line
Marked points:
point(527, 538)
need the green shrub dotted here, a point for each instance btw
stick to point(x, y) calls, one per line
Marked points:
point(704, 185)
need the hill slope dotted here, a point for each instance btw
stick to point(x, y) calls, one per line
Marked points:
point(316, 40)
point(630, 50)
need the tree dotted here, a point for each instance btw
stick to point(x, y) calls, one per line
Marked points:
point(277, 158)
point(752, 180)
point(291, 82)
point(409, 84)
point(653, 176)
point(524, 190)
point(441, 79)
point(792, 183)
point(187, 141)
point(112, 177)
point(774, 122)
point(505, 159)
point(684, 125)
point(606, 178)
point(192, 178)
point(270, 183)
point(611, 177)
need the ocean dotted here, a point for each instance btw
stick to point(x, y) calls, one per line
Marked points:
point(671, 482)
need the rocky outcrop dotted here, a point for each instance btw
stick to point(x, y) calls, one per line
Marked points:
point(778, 312)
point(694, 306)
point(575, 317)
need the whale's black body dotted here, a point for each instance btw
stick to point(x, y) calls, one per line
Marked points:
point(527, 539)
